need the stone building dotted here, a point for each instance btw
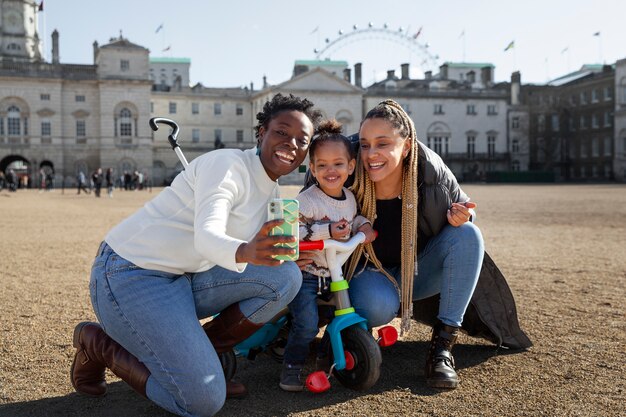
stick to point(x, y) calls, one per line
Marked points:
point(460, 113)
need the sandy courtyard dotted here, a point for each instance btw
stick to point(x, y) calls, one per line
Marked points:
point(561, 247)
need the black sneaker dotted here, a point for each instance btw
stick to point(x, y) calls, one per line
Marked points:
point(291, 378)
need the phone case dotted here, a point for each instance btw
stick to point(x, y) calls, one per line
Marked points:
point(288, 210)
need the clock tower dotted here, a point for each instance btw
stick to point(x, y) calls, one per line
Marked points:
point(19, 40)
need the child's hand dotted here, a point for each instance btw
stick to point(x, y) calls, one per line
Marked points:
point(340, 230)
point(370, 233)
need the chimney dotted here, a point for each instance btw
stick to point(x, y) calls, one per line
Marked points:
point(251, 86)
point(443, 72)
point(428, 75)
point(486, 76)
point(405, 71)
point(300, 69)
point(357, 74)
point(55, 46)
point(95, 51)
point(264, 82)
point(347, 74)
point(516, 81)
point(471, 77)
point(391, 74)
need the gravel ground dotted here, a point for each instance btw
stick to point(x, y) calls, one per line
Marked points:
point(561, 247)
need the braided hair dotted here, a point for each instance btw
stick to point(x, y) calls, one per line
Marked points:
point(365, 193)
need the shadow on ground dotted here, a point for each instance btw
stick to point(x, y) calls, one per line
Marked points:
point(402, 368)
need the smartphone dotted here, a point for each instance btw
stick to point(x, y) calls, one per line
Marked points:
point(288, 210)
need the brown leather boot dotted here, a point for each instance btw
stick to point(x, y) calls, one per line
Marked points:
point(225, 331)
point(440, 371)
point(96, 351)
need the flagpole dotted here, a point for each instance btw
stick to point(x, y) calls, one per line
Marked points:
point(463, 45)
point(600, 48)
point(44, 35)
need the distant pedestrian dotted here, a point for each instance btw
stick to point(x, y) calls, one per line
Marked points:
point(96, 178)
point(109, 180)
point(12, 180)
point(81, 181)
point(127, 180)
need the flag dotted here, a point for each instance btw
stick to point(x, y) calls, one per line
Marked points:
point(159, 28)
point(419, 31)
point(167, 49)
point(595, 34)
point(565, 49)
point(40, 8)
point(510, 46)
point(314, 30)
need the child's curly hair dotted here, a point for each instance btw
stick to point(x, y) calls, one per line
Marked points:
point(330, 131)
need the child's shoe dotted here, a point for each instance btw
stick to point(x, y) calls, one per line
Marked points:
point(291, 378)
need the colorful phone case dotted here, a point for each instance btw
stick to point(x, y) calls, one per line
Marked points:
point(286, 209)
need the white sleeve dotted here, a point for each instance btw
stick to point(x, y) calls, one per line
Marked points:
point(219, 183)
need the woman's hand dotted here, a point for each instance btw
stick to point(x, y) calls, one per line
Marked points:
point(340, 230)
point(459, 213)
point(305, 258)
point(370, 233)
point(261, 248)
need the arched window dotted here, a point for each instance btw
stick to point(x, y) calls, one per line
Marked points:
point(13, 121)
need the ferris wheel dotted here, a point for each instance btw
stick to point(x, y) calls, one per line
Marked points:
point(425, 58)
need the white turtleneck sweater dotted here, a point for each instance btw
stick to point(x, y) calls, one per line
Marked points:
point(211, 208)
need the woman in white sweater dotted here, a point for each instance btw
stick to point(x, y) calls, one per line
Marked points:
point(199, 248)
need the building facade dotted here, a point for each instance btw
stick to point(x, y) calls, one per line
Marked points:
point(66, 118)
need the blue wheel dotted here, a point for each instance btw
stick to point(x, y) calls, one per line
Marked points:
point(365, 359)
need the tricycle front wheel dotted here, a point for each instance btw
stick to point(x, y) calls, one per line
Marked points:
point(365, 359)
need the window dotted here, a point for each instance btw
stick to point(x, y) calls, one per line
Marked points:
point(126, 123)
point(572, 150)
point(607, 119)
point(13, 121)
point(583, 150)
point(1, 126)
point(515, 165)
point(217, 109)
point(152, 107)
point(79, 98)
point(515, 123)
point(471, 109)
point(437, 142)
point(172, 107)
point(491, 146)
point(608, 141)
point(124, 65)
point(583, 97)
point(583, 121)
point(515, 146)
point(594, 96)
point(572, 100)
point(218, 135)
point(608, 94)
point(491, 110)
point(80, 128)
point(541, 123)
point(595, 147)
point(471, 147)
point(44, 97)
point(46, 128)
point(555, 122)
point(195, 135)
point(239, 110)
point(239, 135)
point(438, 109)
point(570, 121)
point(594, 121)
point(195, 108)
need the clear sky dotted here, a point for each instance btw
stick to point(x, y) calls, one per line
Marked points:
point(234, 42)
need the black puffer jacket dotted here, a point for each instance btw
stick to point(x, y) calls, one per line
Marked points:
point(492, 313)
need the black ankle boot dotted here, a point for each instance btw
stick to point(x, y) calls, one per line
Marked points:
point(440, 363)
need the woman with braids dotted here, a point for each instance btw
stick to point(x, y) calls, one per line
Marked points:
point(201, 247)
point(427, 243)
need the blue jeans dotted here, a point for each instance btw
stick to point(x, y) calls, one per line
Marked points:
point(304, 322)
point(449, 265)
point(154, 315)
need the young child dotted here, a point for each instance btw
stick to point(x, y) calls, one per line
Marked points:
point(327, 211)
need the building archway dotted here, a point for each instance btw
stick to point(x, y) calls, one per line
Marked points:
point(19, 165)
